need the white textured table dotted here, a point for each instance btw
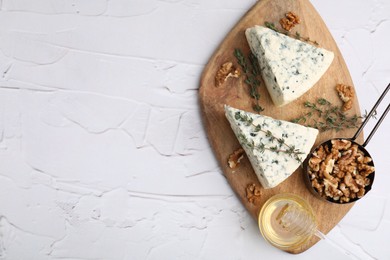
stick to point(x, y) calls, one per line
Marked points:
point(103, 154)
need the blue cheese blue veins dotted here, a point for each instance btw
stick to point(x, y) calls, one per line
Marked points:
point(270, 165)
point(289, 67)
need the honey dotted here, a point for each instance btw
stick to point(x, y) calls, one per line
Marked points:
point(279, 232)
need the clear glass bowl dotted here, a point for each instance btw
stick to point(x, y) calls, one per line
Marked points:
point(275, 215)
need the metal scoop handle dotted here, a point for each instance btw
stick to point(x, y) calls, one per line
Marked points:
point(370, 115)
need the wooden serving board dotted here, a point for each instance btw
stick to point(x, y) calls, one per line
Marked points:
point(235, 93)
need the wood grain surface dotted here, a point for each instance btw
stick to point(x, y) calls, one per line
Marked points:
point(235, 93)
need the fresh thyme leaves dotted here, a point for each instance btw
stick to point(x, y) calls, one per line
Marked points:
point(324, 116)
point(255, 64)
point(323, 101)
point(247, 120)
point(271, 26)
point(297, 35)
point(280, 147)
point(241, 60)
point(252, 76)
point(365, 115)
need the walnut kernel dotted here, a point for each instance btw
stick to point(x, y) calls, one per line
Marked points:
point(253, 193)
point(235, 158)
point(346, 94)
point(226, 71)
point(289, 21)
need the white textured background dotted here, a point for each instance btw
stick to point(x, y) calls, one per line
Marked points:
point(103, 154)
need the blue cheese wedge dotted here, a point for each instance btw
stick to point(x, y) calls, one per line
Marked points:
point(274, 147)
point(289, 67)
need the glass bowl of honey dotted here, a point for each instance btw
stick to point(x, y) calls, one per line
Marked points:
point(287, 221)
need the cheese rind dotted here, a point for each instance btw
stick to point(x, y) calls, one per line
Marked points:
point(271, 167)
point(289, 67)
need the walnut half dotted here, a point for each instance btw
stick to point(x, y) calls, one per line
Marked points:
point(235, 158)
point(346, 94)
point(253, 193)
point(289, 21)
point(226, 71)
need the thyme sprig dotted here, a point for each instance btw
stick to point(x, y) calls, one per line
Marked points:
point(250, 66)
point(324, 116)
point(241, 60)
point(297, 35)
point(280, 144)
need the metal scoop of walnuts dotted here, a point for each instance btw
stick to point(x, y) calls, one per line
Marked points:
point(341, 170)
